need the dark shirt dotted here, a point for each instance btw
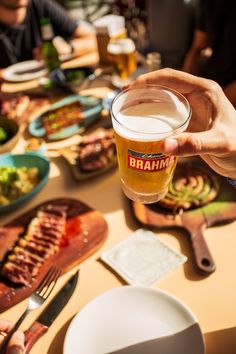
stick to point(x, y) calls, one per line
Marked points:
point(171, 27)
point(218, 19)
point(17, 42)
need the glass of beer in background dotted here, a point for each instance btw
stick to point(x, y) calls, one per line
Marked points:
point(122, 54)
point(142, 117)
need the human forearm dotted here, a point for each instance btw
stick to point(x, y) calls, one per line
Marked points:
point(84, 40)
point(84, 45)
point(192, 62)
point(194, 58)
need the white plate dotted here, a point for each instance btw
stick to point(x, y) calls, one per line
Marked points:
point(142, 320)
point(13, 72)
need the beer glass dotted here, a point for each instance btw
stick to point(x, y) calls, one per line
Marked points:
point(142, 117)
point(122, 54)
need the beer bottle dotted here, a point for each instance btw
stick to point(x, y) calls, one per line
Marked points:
point(49, 51)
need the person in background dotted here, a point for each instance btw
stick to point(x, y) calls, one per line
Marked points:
point(171, 25)
point(213, 51)
point(212, 128)
point(16, 344)
point(20, 33)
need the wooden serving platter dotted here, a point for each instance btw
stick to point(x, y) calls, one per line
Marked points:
point(194, 221)
point(86, 230)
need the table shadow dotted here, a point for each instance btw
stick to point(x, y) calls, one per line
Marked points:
point(58, 341)
point(217, 342)
point(221, 342)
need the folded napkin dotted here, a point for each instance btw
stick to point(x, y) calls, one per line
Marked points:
point(142, 258)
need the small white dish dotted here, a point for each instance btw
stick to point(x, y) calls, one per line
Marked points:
point(133, 320)
point(24, 71)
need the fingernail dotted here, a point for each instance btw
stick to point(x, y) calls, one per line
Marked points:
point(170, 146)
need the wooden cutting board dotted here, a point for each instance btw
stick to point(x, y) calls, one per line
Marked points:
point(86, 230)
point(194, 221)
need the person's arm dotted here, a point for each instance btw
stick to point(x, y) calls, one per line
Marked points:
point(195, 57)
point(84, 41)
point(81, 38)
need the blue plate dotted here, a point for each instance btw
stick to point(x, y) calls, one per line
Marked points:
point(91, 108)
point(27, 160)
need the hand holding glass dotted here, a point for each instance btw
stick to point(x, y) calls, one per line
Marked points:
point(142, 117)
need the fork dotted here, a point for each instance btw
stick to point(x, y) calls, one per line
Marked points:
point(36, 299)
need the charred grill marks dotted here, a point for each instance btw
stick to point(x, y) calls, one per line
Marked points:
point(41, 241)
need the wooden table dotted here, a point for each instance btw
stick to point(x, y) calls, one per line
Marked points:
point(211, 298)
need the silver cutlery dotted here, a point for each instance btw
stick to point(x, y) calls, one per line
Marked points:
point(37, 298)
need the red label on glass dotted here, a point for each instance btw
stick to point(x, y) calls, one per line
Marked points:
point(149, 162)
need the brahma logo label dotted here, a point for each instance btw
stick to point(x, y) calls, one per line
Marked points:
point(149, 162)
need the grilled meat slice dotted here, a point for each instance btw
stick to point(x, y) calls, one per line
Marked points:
point(41, 242)
point(97, 137)
point(22, 252)
point(16, 274)
point(23, 263)
point(13, 105)
point(96, 151)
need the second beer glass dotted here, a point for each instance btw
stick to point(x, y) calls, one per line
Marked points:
point(123, 56)
point(142, 117)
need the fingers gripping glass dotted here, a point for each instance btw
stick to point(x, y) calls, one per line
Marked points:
point(142, 118)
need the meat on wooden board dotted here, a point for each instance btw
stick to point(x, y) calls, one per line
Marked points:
point(41, 241)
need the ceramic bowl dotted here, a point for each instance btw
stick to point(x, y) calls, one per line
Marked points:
point(27, 160)
point(13, 131)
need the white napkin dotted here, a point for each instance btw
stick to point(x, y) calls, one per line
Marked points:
point(142, 258)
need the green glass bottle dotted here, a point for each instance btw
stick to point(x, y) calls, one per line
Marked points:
point(49, 51)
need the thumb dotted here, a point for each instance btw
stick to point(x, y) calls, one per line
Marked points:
point(16, 344)
point(189, 144)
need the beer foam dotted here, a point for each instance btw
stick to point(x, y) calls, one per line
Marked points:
point(121, 46)
point(148, 121)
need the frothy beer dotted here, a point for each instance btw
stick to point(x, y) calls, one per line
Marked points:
point(123, 56)
point(141, 123)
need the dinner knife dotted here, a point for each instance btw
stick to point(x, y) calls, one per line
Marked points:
point(46, 318)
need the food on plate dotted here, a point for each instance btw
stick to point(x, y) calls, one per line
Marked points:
point(9, 134)
point(191, 188)
point(36, 145)
point(96, 151)
point(40, 242)
point(56, 119)
point(13, 105)
point(66, 77)
point(3, 136)
point(8, 237)
point(16, 182)
point(74, 76)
